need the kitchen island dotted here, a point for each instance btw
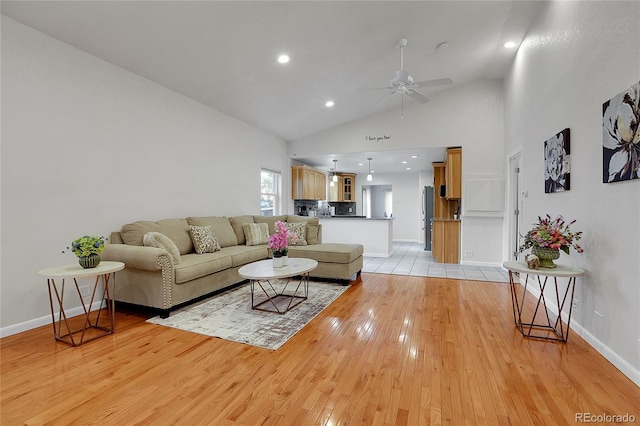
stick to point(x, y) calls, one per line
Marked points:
point(375, 235)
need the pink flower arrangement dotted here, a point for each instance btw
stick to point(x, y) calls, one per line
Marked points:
point(553, 234)
point(279, 240)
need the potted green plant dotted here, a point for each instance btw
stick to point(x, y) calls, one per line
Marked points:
point(87, 249)
point(548, 237)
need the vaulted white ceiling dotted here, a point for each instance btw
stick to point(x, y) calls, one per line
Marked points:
point(224, 53)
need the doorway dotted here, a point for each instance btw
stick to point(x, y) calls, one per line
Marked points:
point(377, 201)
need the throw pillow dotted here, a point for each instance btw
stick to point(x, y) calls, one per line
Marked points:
point(313, 224)
point(159, 240)
point(204, 240)
point(299, 229)
point(256, 233)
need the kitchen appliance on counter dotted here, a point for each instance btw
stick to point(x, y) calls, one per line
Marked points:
point(427, 215)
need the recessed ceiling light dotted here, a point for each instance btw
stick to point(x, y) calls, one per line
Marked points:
point(414, 156)
point(509, 45)
point(408, 168)
point(283, 59)
point(329, 104)
point(360, 164)
point(443, 46)
point(405, 162)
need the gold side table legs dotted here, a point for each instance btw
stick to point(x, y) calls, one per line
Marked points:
point(548, 328)
point(93, 326)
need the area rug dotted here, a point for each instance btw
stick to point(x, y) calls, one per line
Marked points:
point(229, 315)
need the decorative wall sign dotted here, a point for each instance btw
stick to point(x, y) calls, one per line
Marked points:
point(377, 138)
point(621, 136)
point(557, 163)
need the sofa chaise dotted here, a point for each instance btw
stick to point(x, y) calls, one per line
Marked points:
point(166, 265)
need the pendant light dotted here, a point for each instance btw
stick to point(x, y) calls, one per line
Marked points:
point(369, 176)
point(335, 169)
point(331, 182)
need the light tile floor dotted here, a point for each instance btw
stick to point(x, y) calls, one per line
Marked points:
point(412, 259)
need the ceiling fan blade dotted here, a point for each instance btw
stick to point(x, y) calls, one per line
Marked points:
point(430, 83)
point(417, 96)
point(374, 88)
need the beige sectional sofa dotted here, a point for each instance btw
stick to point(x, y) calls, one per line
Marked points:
point(163, 279)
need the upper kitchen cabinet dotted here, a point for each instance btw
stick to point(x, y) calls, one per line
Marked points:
point(453, 173)
point(349, 185)
point(343, 189)
point(308, 183)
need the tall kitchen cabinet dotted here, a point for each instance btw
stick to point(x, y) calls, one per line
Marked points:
point(447, 181)
point(308, 183)
point(453, 173)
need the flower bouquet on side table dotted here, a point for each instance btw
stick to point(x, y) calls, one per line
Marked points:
point(87, 249)
point(279, 243)
point(548, 237)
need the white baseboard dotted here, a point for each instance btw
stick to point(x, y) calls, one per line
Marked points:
point(475, 263)
point(39, 322)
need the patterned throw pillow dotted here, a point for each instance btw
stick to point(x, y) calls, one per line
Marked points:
point(299, 229)
point(256, 233)
point(159, 240)
point(204, 240)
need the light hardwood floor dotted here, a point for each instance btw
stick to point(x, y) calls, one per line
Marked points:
point(392, 350)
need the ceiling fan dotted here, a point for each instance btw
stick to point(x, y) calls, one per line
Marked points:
point(403, 82)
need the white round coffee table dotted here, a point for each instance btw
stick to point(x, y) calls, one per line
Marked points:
point(262, 272)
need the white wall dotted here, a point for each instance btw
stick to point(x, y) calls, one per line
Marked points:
point(577, 56)
point(405, 186)
point(88, 147)
point(470, 116)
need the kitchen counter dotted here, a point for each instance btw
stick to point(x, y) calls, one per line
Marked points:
point(354, 217)
point(375, 235)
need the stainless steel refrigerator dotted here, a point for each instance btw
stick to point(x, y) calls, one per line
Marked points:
point(427, 215)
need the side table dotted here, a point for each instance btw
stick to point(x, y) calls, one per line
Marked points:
point(102, 272)
point(548, 329)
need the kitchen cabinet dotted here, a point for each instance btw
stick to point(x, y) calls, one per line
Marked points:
point(446, 240)
point(445, 236)
point(348, 185)
point(343, 189)
point(308, 183)
point(336, 192)
point(453, 173)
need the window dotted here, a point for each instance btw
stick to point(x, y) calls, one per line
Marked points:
point(269, 193)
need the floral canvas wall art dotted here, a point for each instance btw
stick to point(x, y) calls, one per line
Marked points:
point(557, 163)
point(621, 136)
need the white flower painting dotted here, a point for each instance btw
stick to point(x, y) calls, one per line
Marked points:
point(621, 136)
point(557, 163)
